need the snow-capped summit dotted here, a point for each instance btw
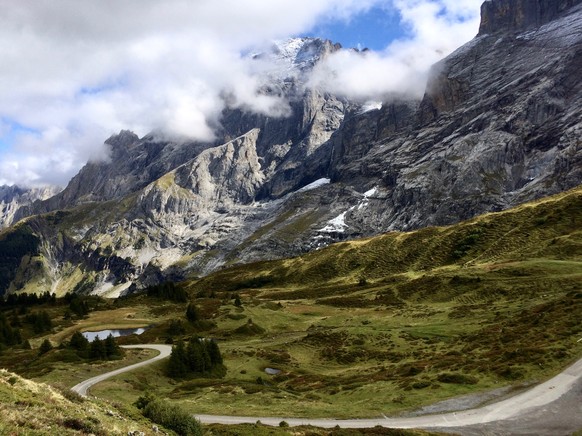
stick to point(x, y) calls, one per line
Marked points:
point(293, 57)
point(303, 53)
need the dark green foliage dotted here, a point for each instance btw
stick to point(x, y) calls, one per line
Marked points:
point(200, 356)
point(253, 283)
point(168, 291)
point(40, 321)
point(460, 379)
point(85, 426)
point(14, 246)
point(79, 342)
point(192, 313)
point(172, 417)
point(26, 300)
point(103, 349)
point(144, 400)
point(178, 362)
point(45, 347)
point(112, 350)
point(79, 307)
point(8, 335)
point(214, 353)
point(97, 350)
point(249, 329)
point(465, 243)
point(176, 327)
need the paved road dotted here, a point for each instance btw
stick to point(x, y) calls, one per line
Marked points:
point(551, 408)
point(164, 350)
point(524, 405)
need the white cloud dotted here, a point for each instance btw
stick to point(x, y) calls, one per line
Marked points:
point(436, 27)
point(74, 72)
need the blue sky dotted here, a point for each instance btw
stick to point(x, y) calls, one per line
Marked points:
point(373, 29)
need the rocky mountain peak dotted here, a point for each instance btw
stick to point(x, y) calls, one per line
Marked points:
point(14, 197)
point(516, 15)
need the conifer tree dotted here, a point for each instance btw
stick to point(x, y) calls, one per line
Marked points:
point(45, 347)
point(177, 366)
point(192, 313)
point(111, 347)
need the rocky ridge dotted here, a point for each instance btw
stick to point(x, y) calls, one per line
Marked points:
point(499, 124)
point(14, 198)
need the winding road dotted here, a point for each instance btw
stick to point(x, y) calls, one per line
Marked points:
point(165, 351)
point(552, 408)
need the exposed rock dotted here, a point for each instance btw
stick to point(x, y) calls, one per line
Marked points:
point(517, 15)
point(500, 124)
point(12, 198)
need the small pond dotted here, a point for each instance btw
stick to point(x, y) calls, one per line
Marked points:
point(102, 334)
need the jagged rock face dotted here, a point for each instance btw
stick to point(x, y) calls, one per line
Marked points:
point(500, 124)
point(12, 198)
point(517, 15)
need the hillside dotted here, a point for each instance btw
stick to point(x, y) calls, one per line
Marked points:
point(387, 324)
point(34, 408)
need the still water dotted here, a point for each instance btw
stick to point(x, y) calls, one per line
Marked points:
point(102, 334)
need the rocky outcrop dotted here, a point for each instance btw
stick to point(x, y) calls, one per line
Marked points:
point(14, 198)
point(500, 124)
point(518, 15)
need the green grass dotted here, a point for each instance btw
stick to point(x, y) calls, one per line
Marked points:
point(378, 326)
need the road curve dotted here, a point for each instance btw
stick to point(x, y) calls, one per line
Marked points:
point(165, 351)
point(509, 409)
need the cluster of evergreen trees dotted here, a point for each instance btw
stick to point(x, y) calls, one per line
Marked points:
point(26, 300)
point(40, 321)
point(198, 357)
point(8, 334)
point(98, 349)
point(168, 291)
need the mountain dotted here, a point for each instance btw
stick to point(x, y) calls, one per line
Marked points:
point(499, 125)
point(14, 198)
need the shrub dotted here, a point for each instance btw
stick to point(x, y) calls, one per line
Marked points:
point(172, 417)
point(45, 347)
point(460, 379)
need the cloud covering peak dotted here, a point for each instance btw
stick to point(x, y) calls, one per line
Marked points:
point(75, 72)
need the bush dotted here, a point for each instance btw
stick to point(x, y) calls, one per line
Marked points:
point(172, 417)
point(459, 379)
point(45, 347)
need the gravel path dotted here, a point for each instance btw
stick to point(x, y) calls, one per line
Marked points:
point(551, 408)
point(164, 350)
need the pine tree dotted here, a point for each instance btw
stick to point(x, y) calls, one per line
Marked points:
point(177, 366)
point(79, 342)
point(97, 350)
point(45, 347)
point(194, 355)
point(192, 313)
point(213, 352)
point(111, 347)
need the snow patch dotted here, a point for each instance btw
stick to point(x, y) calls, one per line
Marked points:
point(370, 106)
point(315, 185)
point(371, 192)
point(336, 225)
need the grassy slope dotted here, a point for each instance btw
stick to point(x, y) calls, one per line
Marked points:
point(388, 324)
point(382, 325)
point(31, 408)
